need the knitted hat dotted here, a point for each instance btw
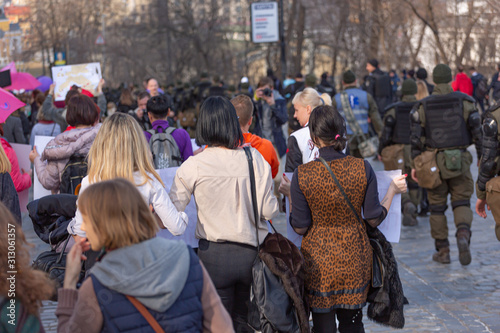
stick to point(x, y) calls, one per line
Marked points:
point(349, 77)
point(441, 74)
point(373, 62)
point(409, 87)
point(421, 74)
point(311, 80)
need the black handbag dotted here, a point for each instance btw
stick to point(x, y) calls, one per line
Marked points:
point(377, 265)
point(54, 263)
point(271, 309)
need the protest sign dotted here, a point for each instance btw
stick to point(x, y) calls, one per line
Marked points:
point(85, 76)
point(167, 176)
point(390, 227)
point(38, 190)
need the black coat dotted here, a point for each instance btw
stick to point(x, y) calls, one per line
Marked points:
point(51, 215)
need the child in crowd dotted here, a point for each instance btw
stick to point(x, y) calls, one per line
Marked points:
point(142, 281)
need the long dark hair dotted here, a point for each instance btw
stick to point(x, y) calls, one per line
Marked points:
point(218, 124)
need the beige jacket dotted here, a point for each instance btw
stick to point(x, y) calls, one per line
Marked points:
point(219, 179)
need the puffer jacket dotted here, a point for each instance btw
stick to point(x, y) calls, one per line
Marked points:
point(51, 163)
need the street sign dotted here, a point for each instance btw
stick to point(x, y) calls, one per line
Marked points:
point(265, 22)
point(99, 40)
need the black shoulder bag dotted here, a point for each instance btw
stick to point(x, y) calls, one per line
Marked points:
point(271, 308)
point(378, 267)
point(385, 295)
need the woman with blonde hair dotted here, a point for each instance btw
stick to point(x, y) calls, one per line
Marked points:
point(139, 276)
point(300, 147)
point(8, 193)
point(21, 292)
point(422, 91)
point(120, 151)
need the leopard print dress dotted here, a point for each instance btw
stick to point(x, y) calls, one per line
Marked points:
point(336, 249)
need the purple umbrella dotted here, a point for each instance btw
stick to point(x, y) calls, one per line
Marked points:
point(46, 82)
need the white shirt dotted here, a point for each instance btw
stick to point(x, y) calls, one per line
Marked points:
point(153, 194)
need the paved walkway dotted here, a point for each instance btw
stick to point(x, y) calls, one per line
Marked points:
point(443, 298)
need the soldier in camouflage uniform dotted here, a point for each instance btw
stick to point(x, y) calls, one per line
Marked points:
point(448, 122)
point(396, 131)
point(488, 185)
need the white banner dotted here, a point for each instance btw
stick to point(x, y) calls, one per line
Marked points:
point(167, 176)
point(390, 227)
point(85, 76)
point(38, 190)
point(265, 22)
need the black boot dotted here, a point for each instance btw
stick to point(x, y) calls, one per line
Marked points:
point(443, 254)
point(463, 243)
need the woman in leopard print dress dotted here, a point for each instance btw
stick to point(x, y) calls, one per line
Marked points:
point(335, 246)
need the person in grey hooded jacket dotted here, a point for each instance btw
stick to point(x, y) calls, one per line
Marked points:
point(138, 272)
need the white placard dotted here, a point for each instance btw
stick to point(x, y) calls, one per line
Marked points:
point(265, 22)
point(38, 190)
point(391, 226)
point(22, 153)
point(85, 76)
point(167, 176)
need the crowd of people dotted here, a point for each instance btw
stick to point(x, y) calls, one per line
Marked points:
point(108, 146)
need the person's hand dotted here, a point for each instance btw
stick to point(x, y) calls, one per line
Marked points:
point(52, 88)
point(480, 207)
point(398, 184)
point(33, 154)
point(100, 85)
point(74, 264)
point(30, 172)
point(284, 187)
point(268, 99)
point(414, 175)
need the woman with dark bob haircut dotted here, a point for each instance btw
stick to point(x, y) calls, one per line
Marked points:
point(336, 249)
point(83, 117)
point(218, 124)
point(219, 179)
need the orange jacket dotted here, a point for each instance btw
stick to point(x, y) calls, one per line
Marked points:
point(266, 149)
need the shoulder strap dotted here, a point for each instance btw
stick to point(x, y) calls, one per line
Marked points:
point(53, 128)
point(254, 195)
point(340, 187)
point(349, 115)
point(145, 313)
point(170, 130)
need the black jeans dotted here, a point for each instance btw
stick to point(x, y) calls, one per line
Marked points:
point(350, 321)
point(230, 268)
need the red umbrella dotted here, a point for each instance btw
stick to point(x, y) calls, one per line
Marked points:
point(24, 81)
point(8, 104)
